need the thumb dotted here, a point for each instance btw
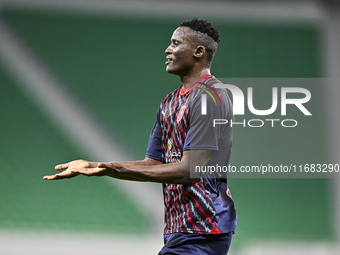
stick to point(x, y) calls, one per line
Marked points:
point(108, 164)
point(102, 165)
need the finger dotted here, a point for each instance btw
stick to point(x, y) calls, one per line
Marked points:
point(50, 177)
point(61, 166)
point(62, 175)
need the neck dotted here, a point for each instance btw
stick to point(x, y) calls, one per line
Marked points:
point(187, 79)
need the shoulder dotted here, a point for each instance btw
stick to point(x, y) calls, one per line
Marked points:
point(209, 87)
point(168, 97)
point(212, 84)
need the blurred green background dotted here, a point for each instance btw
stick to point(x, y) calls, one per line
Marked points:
point(115, 66)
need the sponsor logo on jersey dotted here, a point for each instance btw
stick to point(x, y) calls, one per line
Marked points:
point(169, 144)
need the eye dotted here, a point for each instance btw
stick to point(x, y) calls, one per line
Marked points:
point(174, 42)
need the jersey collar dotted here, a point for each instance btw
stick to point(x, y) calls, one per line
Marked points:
point(194, 85)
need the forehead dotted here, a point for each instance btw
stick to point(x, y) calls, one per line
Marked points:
point(181, 33)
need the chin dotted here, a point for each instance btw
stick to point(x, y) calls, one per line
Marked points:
point(168, 70)
point(171, 70)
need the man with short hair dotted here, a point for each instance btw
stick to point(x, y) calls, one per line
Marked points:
point(200, 216)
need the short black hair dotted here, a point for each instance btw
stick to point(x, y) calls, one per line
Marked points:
point(203, 26)
point(204, 34)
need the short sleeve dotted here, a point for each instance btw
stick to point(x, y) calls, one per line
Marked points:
point(154, 149)
point(202, 135)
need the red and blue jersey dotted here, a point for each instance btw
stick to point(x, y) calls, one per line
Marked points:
point(205, 206)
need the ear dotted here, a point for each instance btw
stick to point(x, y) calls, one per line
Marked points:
point(200, 51)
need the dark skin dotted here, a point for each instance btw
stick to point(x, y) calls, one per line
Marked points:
point(188, 61)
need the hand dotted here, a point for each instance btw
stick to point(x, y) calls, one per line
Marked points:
point(75, 168)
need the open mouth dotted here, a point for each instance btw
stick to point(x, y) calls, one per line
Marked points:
point(169, 61)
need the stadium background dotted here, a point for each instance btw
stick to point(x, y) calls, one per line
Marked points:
point(80, 79)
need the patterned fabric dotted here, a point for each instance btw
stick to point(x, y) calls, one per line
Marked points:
point(188, 208)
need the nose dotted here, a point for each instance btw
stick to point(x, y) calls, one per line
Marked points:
point(168, 50)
